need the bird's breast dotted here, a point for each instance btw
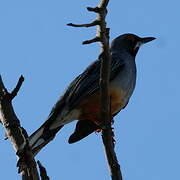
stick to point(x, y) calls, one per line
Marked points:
point(118, 99)
point(122, 86)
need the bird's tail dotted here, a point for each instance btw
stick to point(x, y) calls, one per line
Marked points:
point(42, 136)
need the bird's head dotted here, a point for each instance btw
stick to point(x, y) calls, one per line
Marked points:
point(130, 43)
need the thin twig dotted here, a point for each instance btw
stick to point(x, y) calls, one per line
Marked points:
point(94, 23)
point(17, 88)
point(96, 39)
point(96, 9)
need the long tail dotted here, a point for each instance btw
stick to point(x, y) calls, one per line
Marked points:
point(42, 136)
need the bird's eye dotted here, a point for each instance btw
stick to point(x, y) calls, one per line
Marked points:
point(131, 37)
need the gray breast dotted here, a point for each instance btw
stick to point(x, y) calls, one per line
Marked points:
point(126, 79)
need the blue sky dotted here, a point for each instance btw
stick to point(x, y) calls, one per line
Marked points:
point(35, 42)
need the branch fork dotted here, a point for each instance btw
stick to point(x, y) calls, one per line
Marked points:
point(15, 133)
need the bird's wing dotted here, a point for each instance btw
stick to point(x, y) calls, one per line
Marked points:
point(86, 84)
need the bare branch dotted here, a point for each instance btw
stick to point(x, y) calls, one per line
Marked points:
point(96, 9)
point(102, 36)
point(108, 141)
point(106, 117)
point(94, 23)
point(17, 88)
point(15, 132)
point(43, 172)
point(96, 39)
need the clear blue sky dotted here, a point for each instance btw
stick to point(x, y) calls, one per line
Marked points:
point(35, 42)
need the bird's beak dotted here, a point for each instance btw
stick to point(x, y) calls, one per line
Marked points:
point(147, 39)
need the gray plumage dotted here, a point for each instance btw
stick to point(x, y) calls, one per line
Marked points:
point(122, 79)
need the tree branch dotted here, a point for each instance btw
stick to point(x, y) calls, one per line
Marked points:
point(94, 23)
point(17, 88)
point(96, 9)
point(15, 133)
point(106, 115)
point(102, 36)
point(96, 39)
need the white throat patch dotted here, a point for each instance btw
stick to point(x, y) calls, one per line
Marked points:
point(138, 44)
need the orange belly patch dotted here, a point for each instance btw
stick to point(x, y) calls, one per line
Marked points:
point(117, 100)
point(90, 107)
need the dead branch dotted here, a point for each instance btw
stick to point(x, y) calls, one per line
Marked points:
point(96, 39)
point(15, 133)
point(94, 23)
point(102, 36)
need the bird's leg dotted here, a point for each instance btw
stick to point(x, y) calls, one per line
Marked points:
point(112, 136)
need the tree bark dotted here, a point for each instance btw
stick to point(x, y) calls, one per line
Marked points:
point(102, 36)
point(15, 133)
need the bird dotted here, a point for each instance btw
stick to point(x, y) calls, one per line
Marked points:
point(81, 99)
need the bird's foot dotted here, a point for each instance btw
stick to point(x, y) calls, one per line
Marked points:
point(98, 130)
